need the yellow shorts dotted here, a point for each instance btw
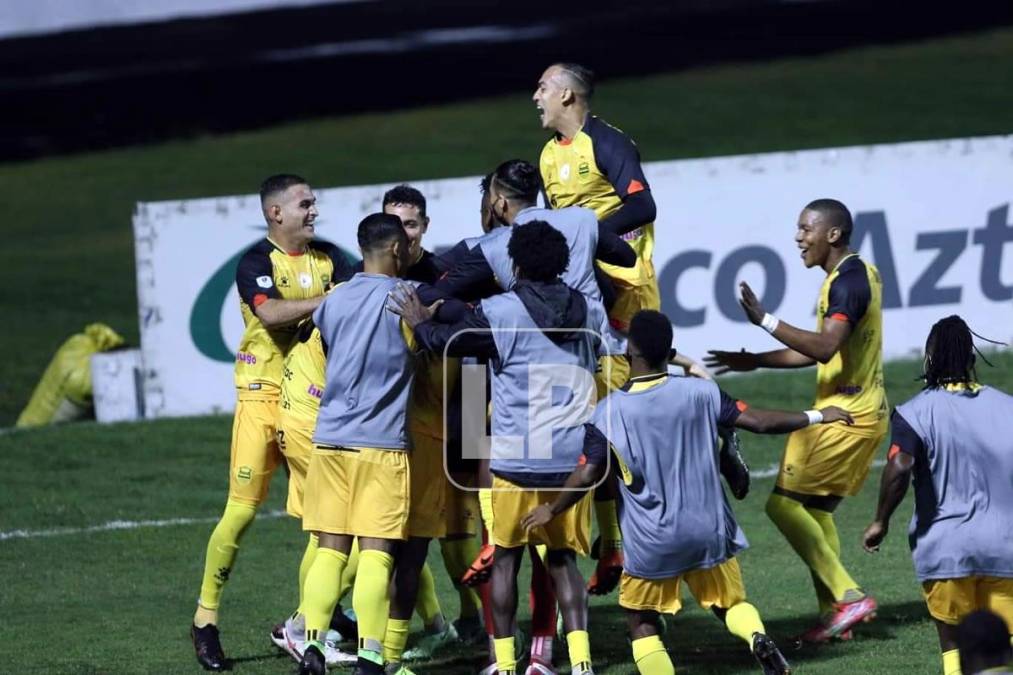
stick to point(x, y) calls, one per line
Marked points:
point(295, 439)
point(254, 455)
point(950, 600)
point(826, 459)
point(570, 530)
point(718, 586)
point(462, 511)
point(426, 514)
point(630, 299)
point(363, 492)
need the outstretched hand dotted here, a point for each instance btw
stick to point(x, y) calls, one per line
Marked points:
point(724, 362)
point(405, 302)
point(751, 304)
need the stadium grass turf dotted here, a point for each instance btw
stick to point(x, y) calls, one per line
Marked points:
point(68, 253)
point(120, 601)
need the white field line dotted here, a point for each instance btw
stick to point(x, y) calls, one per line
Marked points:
point(114, 525)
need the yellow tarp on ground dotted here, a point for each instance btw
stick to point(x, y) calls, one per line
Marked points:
point(64, 391)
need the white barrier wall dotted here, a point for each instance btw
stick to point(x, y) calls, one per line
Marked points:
point(933, 216)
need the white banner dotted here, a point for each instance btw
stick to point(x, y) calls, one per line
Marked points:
point(933, 216)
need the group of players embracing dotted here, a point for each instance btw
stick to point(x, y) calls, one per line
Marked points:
point(361, 380)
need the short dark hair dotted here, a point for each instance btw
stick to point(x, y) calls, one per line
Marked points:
point(539, 250)
point(484, 184)
point(983, 639)
point(950, 352)
point(518, 180)
point(837, 215)
point(651, 333)
point(378, 229)
point(405, 194)
point(272, 185)
point(581, 79)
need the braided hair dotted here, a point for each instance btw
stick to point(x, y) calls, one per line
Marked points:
point(949, 353)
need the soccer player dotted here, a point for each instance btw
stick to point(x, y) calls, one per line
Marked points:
point(357, 482)
point(590, 163)
point(302, 386)
point(676, 521)
point(822, 465)
point(414, 586)
point(541, 320)
point(956, 439)
point(281, 280)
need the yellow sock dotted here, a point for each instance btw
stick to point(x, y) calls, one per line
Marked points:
point(806, 536)
point(372, 603)
point(826, 521)
point(395, 639)
point(951, 662)
point(651, 658)
point(743, 620)
point(204, 616)
point(485, 507)
point(505, 661)
point(304, 567)
point(427, 605)
point(579, 645)
point(321, 594)
point(457, 555)
point(221, 554)
point(351, 569)
point(608, 524)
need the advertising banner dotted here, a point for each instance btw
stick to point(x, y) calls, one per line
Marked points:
point(934, 217)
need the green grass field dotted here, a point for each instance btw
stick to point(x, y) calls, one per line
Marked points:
point(69, 248)
point(120, 601)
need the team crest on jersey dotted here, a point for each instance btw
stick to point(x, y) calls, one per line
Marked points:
point(283, 282)
point(564, 172)
point(583, 168)
point(265, 282)
point(325, 279)
point(305, 280)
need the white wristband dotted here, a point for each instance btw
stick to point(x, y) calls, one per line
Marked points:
point(769, 323)
point(815, 416)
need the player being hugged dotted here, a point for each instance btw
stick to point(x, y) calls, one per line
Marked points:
point(823, 464)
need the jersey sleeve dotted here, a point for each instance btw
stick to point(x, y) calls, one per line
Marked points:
point(255, 278)
point(730, 410)
point(849, 296)
point(617, 158)
point(903, 438)
point(596, 446)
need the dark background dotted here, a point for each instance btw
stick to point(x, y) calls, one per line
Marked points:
point(122, 85)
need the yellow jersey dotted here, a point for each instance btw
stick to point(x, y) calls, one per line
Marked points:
point(853, 378)
point(598, 168)
point(267, 272)
point(302, 383)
